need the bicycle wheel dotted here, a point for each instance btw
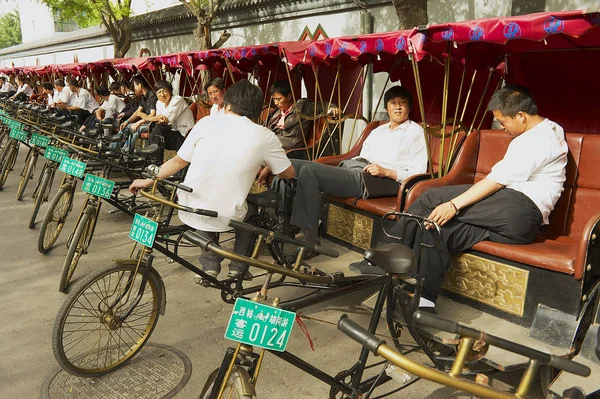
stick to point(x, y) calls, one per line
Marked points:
point(55, 218)
point(9, 160)
point(41, 194)
point(78, 247)
point(88, 338)
point(239, 385)
point(26, 175)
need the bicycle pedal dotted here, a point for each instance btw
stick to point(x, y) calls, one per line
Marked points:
point(398, 375)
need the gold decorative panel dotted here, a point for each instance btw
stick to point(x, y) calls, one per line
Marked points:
point(492, 283)
point(349, 226)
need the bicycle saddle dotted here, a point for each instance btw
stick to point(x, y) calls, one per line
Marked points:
point(117, 138)
point(394, 258)
point(152, 149)
point(267, 199)
point(60, 118)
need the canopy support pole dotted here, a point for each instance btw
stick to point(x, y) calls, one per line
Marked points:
point(326, 126)
point(422, 110)
point(483, 116)
point(481, 99)
point(455, 136)
point(444, 109)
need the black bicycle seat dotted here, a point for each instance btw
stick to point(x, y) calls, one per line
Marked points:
point(67, 124)
point(117, 138)
point(60, 118)
point(152, 149)
point(44, 111)
point(268, 199)
point(394, 258)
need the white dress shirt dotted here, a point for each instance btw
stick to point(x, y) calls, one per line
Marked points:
point(214, 110)
point(54, 97)
point(84, 100)
point(25, 89)
point(6, 87)
point(222, 179)
point(402, 149)
point(66, 96)
point(535, 164)
point(178, 113)
point(113, 106)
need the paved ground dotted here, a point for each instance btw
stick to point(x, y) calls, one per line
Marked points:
point(194, 322)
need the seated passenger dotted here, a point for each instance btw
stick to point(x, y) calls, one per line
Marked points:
point(508, 206)
point(138, 122)
point(221, 179)
point(65, 95)
point(7, 89)
point(131, 100)
point(106, 113)
point(24, 91)
point(83, 101)
point(215, 88)
point(47, 95)
point(395, 150)
point(285, 122)
point(53, 94)
point(173, 119)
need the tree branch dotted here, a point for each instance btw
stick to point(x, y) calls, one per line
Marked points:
point(222, 39)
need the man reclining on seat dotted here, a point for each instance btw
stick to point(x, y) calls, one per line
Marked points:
point(138, 122)
point(83, 101)
point(111, 106)
point(215, 88)
point(285, 121)
point(395, 150)
point(221, 180)
point(508, 206)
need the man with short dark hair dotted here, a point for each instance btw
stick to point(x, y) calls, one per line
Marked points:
point(106, 113)
point(395, 150)
point(139, 121)
point(508, 206)
point(83, 103)
point(215, 88)
point(174, 119)
point(7, 89)
point(221, 179)
point(285, 122)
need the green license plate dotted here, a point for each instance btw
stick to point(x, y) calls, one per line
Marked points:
point(18, 134)
point(55, 154)
point(98, 186)
point(260, 325)
point(39, 140)
point(72, 167)
point(143, 230)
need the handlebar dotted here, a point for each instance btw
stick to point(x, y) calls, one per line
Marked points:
point(359, 333)
point(179, 186)
point(283, 238)
point(560, 363)
point(197, 211)
point(421, 222)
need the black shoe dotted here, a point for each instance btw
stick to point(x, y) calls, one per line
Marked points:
point(234, 273)
point(365, 267)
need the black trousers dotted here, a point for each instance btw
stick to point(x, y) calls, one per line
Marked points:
point(172, 138)
point(316, 180)
point(507, 216)
point(82, 114)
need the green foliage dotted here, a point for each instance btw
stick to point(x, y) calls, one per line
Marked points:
point(89, 13)
point(10, 29)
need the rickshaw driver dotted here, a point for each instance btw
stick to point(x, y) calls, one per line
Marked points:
point(224, 153)
point(508, 206)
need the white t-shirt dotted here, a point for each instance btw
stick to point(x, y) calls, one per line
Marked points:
point(214, 110)
point(84, 100)
point(54, 97)
point(225, 152)
point(113, 106)
point(66, 96)
point(535, 164)
point(402, 149)
point(6, 87)
point(178, 113)
point(25, 89)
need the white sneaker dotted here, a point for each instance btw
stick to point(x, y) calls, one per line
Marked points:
point(198, 279)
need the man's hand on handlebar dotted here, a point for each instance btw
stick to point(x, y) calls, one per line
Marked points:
point(263, 176)
point(139, 184)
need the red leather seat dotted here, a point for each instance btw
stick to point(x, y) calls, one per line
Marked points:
point(561, 246)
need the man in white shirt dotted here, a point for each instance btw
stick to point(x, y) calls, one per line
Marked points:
point(111, 106)
point(508, 206)
point(395, 150)
point(174, 119)
point(215, 88)
point(83, 104)
point(24, 91)
point(7, 89)
point(221, 179)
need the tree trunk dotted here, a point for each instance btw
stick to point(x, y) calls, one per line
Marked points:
point(521, 7)
point(411, 13)
point(202, 35)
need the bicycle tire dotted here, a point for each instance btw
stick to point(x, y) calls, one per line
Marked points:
point(234, 388)
point(54, 219)
point(76, 249)
point(39, 200)
point(26, 176)
point(90, 304)
point(9, 160)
